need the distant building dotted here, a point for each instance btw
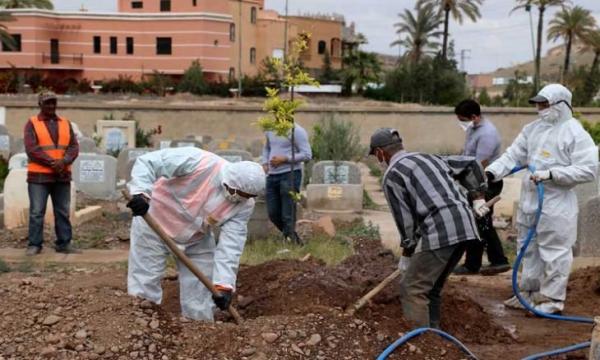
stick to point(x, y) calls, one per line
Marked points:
point(163, 35)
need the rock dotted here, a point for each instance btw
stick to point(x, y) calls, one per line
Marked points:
point(99, 349)
point(269, 337)
point(154, 324)
point(325, 224)
point(244, 301)
point(53, 339)
point(48, 351)
point(314, 340)
point(248, 351)
point(152, 348)
point(412, 348)
point(81, 334)
point(297, 349)
point(292, 334)
point(146, 304)
point(51, 320)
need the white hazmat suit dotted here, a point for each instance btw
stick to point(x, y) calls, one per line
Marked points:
point(188, 199)
point(556, 142)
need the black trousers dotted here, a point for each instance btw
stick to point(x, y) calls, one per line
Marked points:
point(489, 236)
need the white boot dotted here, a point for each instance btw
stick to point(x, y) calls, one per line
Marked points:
point(514, 303)
point(550, 307)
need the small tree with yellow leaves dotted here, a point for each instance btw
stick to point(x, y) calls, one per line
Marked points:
point(281, 111)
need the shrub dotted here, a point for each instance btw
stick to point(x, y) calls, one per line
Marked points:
point(3, 172)
point(193, 80)
point(336, 140)
point(122, 84)
point(158, 84)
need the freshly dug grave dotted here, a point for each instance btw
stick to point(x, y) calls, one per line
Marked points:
point(583, 292)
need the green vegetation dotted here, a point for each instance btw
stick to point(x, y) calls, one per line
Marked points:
point(4, 268)
point(336, 139)
point(3, 172)
point(193, 80)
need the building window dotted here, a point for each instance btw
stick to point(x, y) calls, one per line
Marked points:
point(113, 44)
point(195, 2)
point(165, 5)
point(232, 32)
point(231, 74)
point(97, 44)
point(252, 55)
point(322, 47)
point(336, 47)
point(163, 46)
point(253, 15)
point(137, 5)
point(16, 45)
point(129, 46)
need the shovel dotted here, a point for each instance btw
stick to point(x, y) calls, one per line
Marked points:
point(371, 294)
point(185, 260)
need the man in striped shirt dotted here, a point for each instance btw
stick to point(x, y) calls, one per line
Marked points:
point(433, 216)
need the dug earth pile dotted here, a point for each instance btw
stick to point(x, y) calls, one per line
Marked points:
point(292, 310)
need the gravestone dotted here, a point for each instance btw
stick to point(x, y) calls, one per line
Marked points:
point(116, 134)
point(186, 143)
point(585, 193)
point(335, 172)
point(164, 144)
point(224, 144)
point(5, 141)
point(588, 241)
point(18, 161)
point(126, 160)
point(256, 147)
point(16, 201)
point(259, 225)
point(96, 176)
point(234, 155)
point(17, 146)
point(335, 188)
point(88, 145)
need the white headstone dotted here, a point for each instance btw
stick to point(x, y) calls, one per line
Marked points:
point(164, 144)
point(16, 201)
point(96, 175)
point(18, 161)
point(116, 134)
point(126, 159)
point(2, 115)
point(234, 155)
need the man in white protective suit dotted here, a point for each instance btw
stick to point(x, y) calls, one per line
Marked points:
point(188, 192)
point(563, 155)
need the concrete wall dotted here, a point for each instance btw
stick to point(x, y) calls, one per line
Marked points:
point(431, 129)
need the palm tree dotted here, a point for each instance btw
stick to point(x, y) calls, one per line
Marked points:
point(419, 30)
point(591, 43)
point(360, 69)
point(542, 6)
point(5, 37)
point(459, 9)
point(25, 4)
point(570, 24)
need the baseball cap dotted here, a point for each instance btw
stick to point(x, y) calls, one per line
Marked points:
point(538, 99)
point(46, 96)
point(383, 137)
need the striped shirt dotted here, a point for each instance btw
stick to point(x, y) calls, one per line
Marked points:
point(428, 207)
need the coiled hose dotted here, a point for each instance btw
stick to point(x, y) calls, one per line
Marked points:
point(530, 234)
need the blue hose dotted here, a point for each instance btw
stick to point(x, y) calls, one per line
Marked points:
point(530, 234)
point(414, 333)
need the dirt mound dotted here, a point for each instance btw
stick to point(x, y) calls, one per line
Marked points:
point(583, 291)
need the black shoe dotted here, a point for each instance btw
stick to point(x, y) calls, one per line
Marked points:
point(68, 249)
point(490, 270)
point(33, 250)
point(463, 270)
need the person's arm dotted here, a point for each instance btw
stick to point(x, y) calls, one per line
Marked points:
point(469, 173)
point(515, 155)
point(230, 246)
point(584, 163)
point(166, 163)
point(399, 199)
point(303, 146)
point(485, 150)
point(33, 149)
point(266, 153)
point(72, 150)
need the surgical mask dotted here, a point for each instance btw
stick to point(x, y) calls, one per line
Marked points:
point(234, 198)
point(465, 125)
point(550, 115)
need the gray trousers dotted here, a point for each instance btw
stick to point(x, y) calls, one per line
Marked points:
point(422, 284)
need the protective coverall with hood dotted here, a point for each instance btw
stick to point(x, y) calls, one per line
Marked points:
point(188, 200)
point(556, 142)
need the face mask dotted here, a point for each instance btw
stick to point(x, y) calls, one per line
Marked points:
point(465, 125)
point(234, 198)
point(549, 115)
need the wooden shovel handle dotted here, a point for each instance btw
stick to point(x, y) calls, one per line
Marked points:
point(184, 259)
point(363, 300)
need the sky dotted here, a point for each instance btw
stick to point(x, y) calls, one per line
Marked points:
point(498, 39)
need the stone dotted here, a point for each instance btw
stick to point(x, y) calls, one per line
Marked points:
point(234, 155)
point(325, 224)
point(224, 144)
point(48, 351)
point(18, 161)
point(296, 349)
point(154, 324)
point(585, 193)
point(51, 320)
point(126, 159)
point(116, 134)
point(269, 337)
point(588, 241)
point(256, 147)
point(16, 201)
point(248, 351)
point(81, 334)
point(5, 142)
point(88, 145)
point(314, 340)
point(96, 176)
point(335, 172)
point(164, 144)
point(259, 225)
point(17, 146)
point(346, 198)
point(186, 143)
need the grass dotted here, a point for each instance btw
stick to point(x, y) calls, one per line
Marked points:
point(4, 268)
point(368, 203)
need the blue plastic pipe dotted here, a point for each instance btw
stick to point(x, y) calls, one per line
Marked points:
point(414, 333)
point(559, 351)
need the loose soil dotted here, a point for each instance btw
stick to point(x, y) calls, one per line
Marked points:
point(293, 310)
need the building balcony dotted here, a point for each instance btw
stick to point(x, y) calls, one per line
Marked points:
point(51, 60)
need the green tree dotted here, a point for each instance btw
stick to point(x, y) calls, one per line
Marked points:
point(484, 98)
point(459, 9)
point(24, 4)
point(591, 43)
point(335, 139)
point(570, 24)
point(360, 68)
point(542, 6)
point(193, 80)
point(5, 37)
point(518, 90)
point(420, 30)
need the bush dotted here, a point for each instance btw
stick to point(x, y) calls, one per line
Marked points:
point(484, 98)
point(193, 80)
point(592, 129)
point(158, 84)
point(123, 84)
point(336, 140)
point(3, 172)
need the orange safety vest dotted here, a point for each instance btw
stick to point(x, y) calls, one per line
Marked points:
point(55, 151)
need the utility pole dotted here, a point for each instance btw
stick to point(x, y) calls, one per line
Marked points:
point(528, 9)
point(285, 32)
point(463, 58)
point(240, 53)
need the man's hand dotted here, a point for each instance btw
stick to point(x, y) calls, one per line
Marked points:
point(480, 208)
point(403, 263)
point(223, 299)
point(58, 166)
point(139, 205)
point(266, 168)
point(278, 160)
point(541, 175)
